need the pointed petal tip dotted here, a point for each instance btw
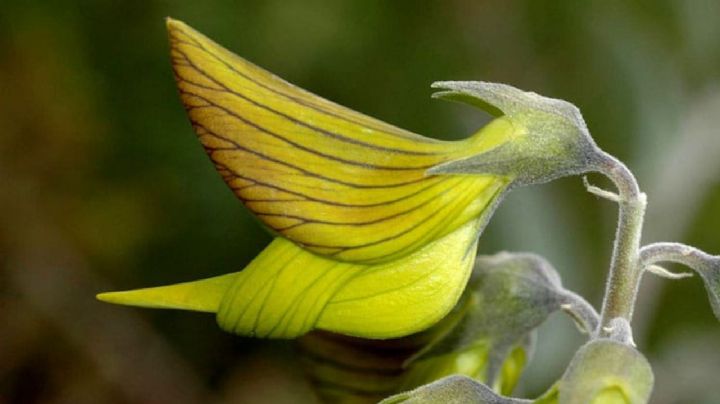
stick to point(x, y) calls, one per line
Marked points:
point(125, 298)
point(137, 297)
point(172, 23)
point(174, 27)
point(202, 295)
point(107, 297)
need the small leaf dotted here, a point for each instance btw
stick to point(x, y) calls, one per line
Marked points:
point(605, 371)
point(710, 274)
point(553, 140)
point(453, 390)
point(706, 265)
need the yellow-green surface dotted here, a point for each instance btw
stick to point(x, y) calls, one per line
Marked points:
point(368, 244)
point(335, 181)
point(105, 187)
point(287, 291)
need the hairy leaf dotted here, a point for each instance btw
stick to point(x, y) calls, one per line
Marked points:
point(453, 390)
point(710, 275)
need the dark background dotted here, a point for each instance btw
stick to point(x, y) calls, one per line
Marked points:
point(104, 185)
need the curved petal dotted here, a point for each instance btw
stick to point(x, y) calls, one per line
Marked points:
point(287, 291)
point(335, 181)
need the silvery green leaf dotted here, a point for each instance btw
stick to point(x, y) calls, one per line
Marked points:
point(452, 390)
point(606, 371)
point(710, 275)
point(706, 265)
point(554, 140)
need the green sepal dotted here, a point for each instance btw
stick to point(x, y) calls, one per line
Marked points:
point(453, 390)
point(605, 371)
point(554, 140)
point(462, 389)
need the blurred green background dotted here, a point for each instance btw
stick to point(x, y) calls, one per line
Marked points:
point(104, 185)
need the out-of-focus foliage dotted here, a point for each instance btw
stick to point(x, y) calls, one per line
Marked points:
point(105, 186)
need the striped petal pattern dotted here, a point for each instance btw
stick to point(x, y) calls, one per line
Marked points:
point(330, 179)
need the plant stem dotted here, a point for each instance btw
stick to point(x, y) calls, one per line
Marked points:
point(581, 310)
point(687, 255)
point(625, 269)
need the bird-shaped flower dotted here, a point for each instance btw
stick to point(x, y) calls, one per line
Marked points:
point(375, 227)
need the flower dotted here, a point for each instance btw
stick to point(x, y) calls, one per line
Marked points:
point(370, 241)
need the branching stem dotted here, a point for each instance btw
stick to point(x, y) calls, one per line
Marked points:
point(625, 269)
point(687, 255)
point(581, 311)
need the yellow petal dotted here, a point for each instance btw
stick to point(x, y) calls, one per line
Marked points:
point(287, 291)
point(204, 295)
point(408, 295)
point(336, 182)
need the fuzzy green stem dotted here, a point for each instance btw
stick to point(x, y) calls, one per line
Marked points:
point(581, 311)
point(687, 255)
point(625, 269)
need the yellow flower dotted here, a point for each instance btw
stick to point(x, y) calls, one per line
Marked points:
point(368, 242)
point(333, 181)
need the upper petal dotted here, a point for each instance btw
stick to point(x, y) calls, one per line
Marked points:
point(335, 181)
